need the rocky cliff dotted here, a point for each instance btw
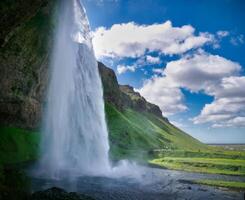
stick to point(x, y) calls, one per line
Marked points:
point(124, 96)
point(26, 39)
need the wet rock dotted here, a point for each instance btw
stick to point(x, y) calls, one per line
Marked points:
point(24, 55)
point(189, 188)
point(58, 194)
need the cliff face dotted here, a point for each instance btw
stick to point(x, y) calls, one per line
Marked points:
point(112, 93)
point(26, 42)
point(124, 96)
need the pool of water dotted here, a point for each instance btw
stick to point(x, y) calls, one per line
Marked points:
point(151, 184)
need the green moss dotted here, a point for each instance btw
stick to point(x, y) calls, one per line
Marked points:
point(17, 145)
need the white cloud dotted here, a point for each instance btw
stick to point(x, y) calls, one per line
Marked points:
point(152, 60)
point(230, 87)
point(200, 71)
point(122, 68)
point(169, 99)
point(222, 34)
point(212, 74)
point(133, 40)
point(139, 63)
point(228, 108)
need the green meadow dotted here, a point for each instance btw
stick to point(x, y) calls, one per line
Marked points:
point(225, 184)
point(138, 136)
point(203, 165)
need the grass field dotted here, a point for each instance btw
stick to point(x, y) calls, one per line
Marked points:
point(218, 183)
point(214, 165)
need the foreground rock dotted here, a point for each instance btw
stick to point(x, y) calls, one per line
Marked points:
point(58, 194)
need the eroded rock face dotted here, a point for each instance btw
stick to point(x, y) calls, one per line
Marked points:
point(124, 96)
point(112, 93)
point(137, 102)
point(13, 13)
point(24, 55)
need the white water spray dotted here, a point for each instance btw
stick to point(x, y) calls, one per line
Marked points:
point(75, 137)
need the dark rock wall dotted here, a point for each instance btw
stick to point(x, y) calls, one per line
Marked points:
point(26, 30)
point(26, 40)
point(124, 96)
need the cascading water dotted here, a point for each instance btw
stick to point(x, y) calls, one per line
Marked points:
point(75, 137)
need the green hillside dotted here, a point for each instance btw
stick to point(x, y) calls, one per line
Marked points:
point(132, 135)
point(138, 134)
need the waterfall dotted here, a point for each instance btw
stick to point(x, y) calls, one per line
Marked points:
point(75, 137)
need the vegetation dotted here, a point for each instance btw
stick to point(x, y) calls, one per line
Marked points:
point(203, 164)
point(219, 183)
point(135, 134)
point(17, 145)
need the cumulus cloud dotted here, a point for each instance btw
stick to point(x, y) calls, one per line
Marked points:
point(199, 71)
point(133, 40)
point(139, 63)
point(211, 74)
point(228, 108)
point(169, 99)
point(122, 68)
point(196, 70)
point(152, 60)
point(222, 34)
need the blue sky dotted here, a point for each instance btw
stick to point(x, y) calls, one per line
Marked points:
point(186, 56)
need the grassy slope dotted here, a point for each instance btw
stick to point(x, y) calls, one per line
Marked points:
point(132, 134)
point(135, 134)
